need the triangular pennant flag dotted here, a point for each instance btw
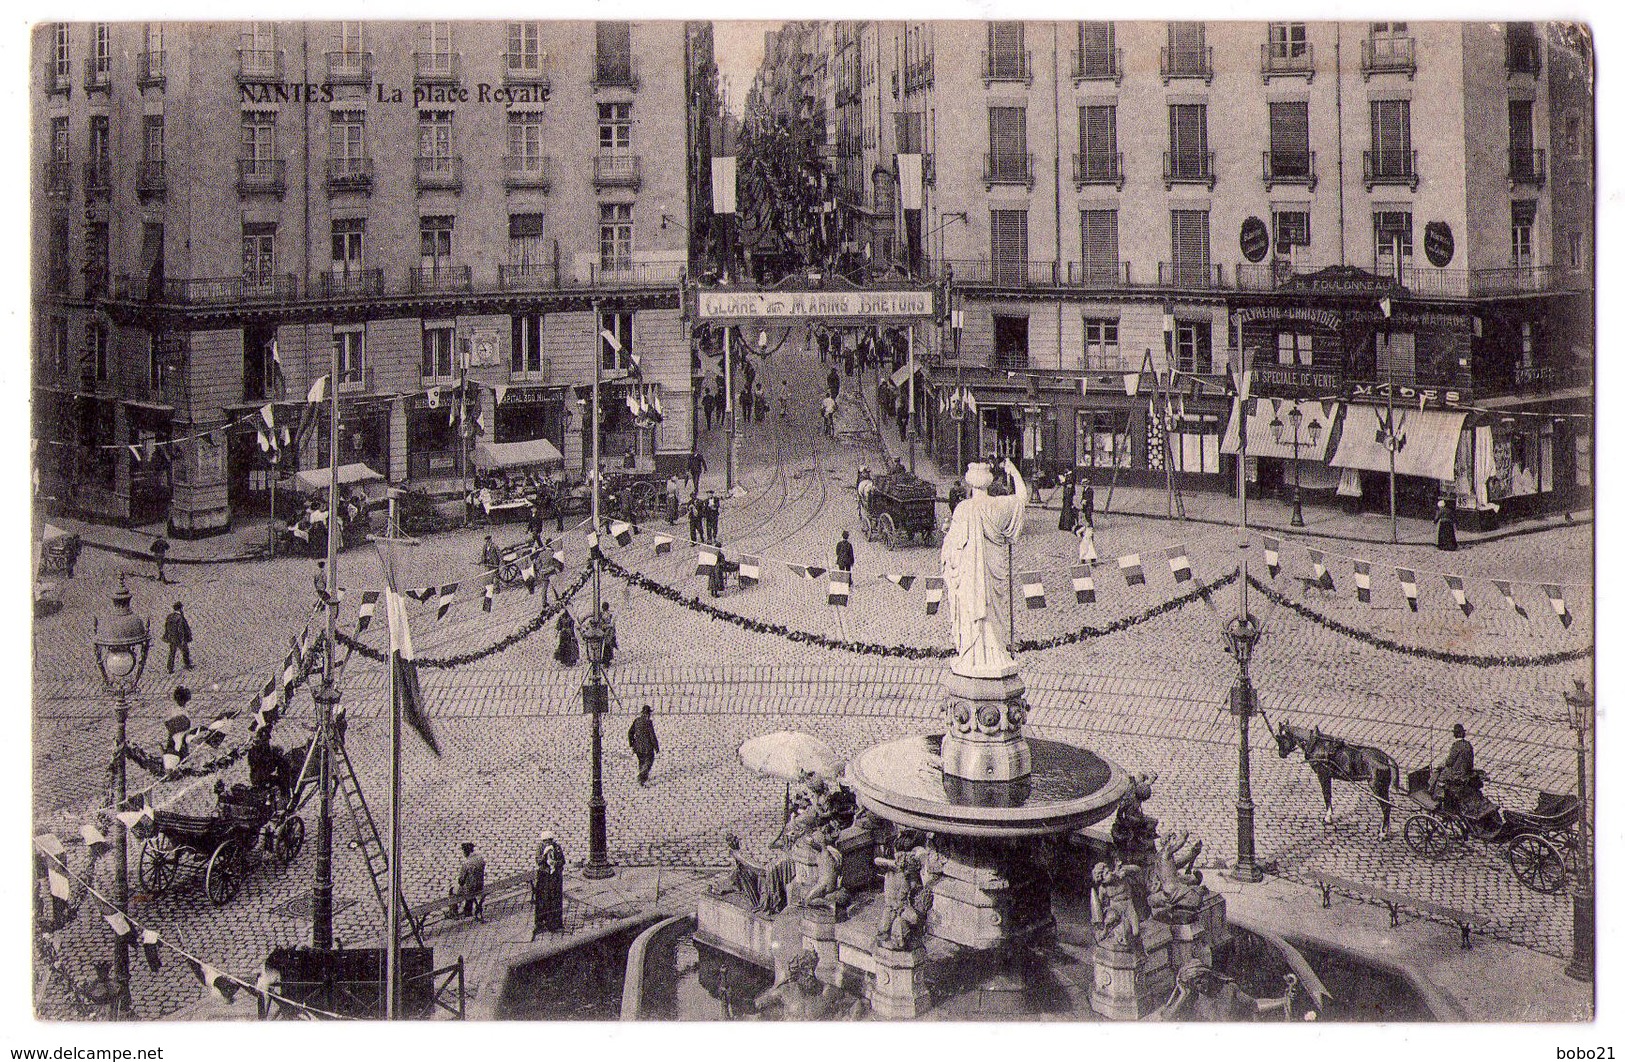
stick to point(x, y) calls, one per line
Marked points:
point(934, 590)
point(1129, 565)
point(840, 587)
point(91, 835)
point(529, 574)
point(135, 452)
point(797, 570)
point(52, 846)
point(368, 609)
point(592, 541)
point(1180, 564)
point(120, 925)
point(1362, 581)
point(970, 401)
point(1323, 577)
point(1458, 590)
point(133, 820)
point(490, 596)
point(632, 404)
point(501, 392)
point(149, 948)
point(662, 544)
point(318, 391)
point(1083, 386)
point(448, 594)
point(1506, 595)
point(750, 571)
point(1032, 589)
point(815, 574)
point(403, 661)
point(222, 986)
point(1407, 583)
point(704, 560)
point(1083, 584)
point(60, 886)
point(621, 532)
point(1131, 383)
point(1554, 594)
point(171, 761)
point(1272, 555)
point(420, 594)
point(903, 581)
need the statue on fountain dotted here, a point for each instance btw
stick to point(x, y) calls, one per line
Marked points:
point(1115, 904)
point(976, 572)
point(826, 890)
point(802, 997)
point(766, 887)
point(1134, 833)
point(1175, 891)
point(908, 901)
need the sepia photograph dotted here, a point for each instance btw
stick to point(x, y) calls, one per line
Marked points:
point(1102, 512)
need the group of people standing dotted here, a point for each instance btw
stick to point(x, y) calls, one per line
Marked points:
point(1077, 499)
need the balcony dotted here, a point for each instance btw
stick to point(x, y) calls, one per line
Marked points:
point(150, 179)
point(1007, 67)
point(1388, 55)
point(262, 177)
point(98, 177)
point(614, 73)
point(521, 69)
point(527, 171)
point(1527, 166)
point(347, 176)
point(1096, 275)
point(1007, 168)
point(1193, 276)
point(59, 179)
point(58, 78)
point(1519, 278)
point(624, 273)
point(1005, 273)
point(529, 276)
point(269, 287)
point(1523, 56)
point(437, 68)
point(1105, 65)
point(446, 277)
point(919, 75)
point(1286, 60)
point(1098, 168)
point(1270, 275)
point(99, 75)
point(351, 283)
point(439, 173)
point(1009, 360)
point(259, 64)
point(1188, 167)
point(617, 171)
point(1390, 167)
point(1187, 62)
point(149, 69)
point(349, 68)
point(1289, 167)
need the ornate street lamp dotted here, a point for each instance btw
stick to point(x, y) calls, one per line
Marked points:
point(1295, 415)
point(1581, 705)
point(121, 641)
point(595, 701)
point(1239, 638)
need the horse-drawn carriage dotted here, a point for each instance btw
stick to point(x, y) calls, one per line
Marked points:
point(1543, 844)
point(224, 847)
point(898, 508)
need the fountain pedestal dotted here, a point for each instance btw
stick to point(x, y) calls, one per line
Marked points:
point(983, 741)
point(1132, 981)
point(988, 895)
point(900, 990)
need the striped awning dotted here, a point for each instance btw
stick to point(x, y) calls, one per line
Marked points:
point(1428, 442)
point(1261, 431)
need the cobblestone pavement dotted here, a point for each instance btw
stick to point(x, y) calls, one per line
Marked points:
point(1150, 697)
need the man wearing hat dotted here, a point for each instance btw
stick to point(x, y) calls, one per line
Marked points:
point(1455, 772)
point(178, 636)
point(547, 890)
point(470, 886)
point(641, 736)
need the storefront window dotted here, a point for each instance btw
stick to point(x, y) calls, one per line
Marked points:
point(1102, 439)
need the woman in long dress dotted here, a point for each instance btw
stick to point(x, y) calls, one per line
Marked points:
point(569, 651)
point(1069, 514)
point(1445, 519)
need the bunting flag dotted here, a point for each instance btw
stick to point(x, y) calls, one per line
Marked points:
point(621, 532)
point(501, 392)
point(420, 594)
point(369, 608)
point(1180, 563)
point(970, 401)
point(1083, 584)
point(490, 596)
point(750, 571)
point(1554, 594)
point(558, 559)
point(1458, 590)
point(934, 589)
point(1129, 565)
point(1272, 555)
point(1032, 589)
point(904, 581)
point(1131, 383)
point(1506, 595)
point(50, 845)
point(403, 661)
point(592, 541)
point(798, 570)
point(815, 574)
point(448, 594)
point(662, 544)
point(60, 888)
point(1407, 583)
point(1362, 581)
point(705, 559)
point(120, 925)
point(92, 836)
point(840, 587)
point(216, 982)
point(149, 949)
point(529, 573)
point(135, 452)
point(1323, 576)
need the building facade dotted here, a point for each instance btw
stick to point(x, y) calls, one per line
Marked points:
point(457, 210)
point(1392, 219)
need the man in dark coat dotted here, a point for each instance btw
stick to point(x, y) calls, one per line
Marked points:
point(160, 551)
point(547, 890)
point(644, 743)
point(470, 886)
point(696, 519)
point(178, 636)
point(843, 552)
point(708, 402)
point(1087, 505)
point(696, 469)
point(1454, 773)
point(833, 381)
point(713, 517)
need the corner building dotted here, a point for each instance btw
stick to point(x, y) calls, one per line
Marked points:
point(219, 207)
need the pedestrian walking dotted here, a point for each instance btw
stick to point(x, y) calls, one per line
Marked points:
point(759, 401)
point(490, 561)
point(1445, 521)
point(178, 636)
point(696, 469)
point(674, 497)
point(319, 580)
point(1086, 492)
point(832, 380)
point(569, 651)
point(829, 415)
point(641, 736)
point(708, 402)
point(696, 520)
point(1069, 512)
point(1086, 544)
point(851, 364)
point(547, 887)
point(470, 887)
point(844, 556)
point(713, 518)
point(716, 577)
point(160, 550)
point(611, 642)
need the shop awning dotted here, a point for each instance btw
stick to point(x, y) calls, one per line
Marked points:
point(532, 453)
point(1430, 438)
point(1514, 401)
point(1261, 434)
point(151, 407)
point(319, 478)
point(901, 375)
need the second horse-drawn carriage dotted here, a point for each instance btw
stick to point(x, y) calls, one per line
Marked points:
point(1543, 844)
point(898, 508)
point(224, 847)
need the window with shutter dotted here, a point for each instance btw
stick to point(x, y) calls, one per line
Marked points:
point(1097, 45)
point(615, 52)
point(1523, 233)
point(1289, 139)
point(1186, 51)
point(910, 133)
point(1190, 248)
point(1391, 138)
point(1100, 263)
point(1009, 229)
point(1004, 51)
point(1187, 140)
point(1097, 128)
point(1392, 230)
point(1521, 137)
point(1007, 143)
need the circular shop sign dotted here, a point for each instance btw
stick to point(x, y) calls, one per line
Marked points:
point(1255, 239)
point(1438, 243)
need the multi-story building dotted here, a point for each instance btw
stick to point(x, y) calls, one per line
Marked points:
point(219, 208)
point(1369, 209)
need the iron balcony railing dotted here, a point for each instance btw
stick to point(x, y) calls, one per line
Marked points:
point(628, 274)
point(527, 276)
point(58, 178)
point(99, 74)
point(1289, 167)
point(150, 179)
point(1007, 66)
point(349, 174)
point(437, 68)
point(522, 68)
point(443, 172)
point(1010, 360)
point(351, 283)
point(1388, 55)
point(58, 77)
point(1523, 55)
point(1196, 276)
point(1187, 62)
point(1099, 275)
point(149, 70)
point(259, 64)
point(527, 171)
point(1270, 275)
point(615, 72)
point(1097, 65)
point(1519, 277)
point(1390, 167)
point(446, 277)
point(1007, 168)
point(1097, 167)
point(1005, 272)
point(917, 76)
point(268, 287)
point(261, 176)
point(355, 380)
point(617, 171)
point(1527, 166)
point(1280, 59)
point(349, 67)
point(98, 176)
point(1188, 167)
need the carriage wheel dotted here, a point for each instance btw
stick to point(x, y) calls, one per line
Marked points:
point(1537, 863)
point(225, 877)
point(159, 864)
point(509, 573)
point(644, 499)
point(290, 838)
point(1573, 845)
point(1427, 836)
point(888, 530)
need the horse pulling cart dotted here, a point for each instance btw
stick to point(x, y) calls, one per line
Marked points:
point(898, 508)
point(1543, 844)
point(224, 847)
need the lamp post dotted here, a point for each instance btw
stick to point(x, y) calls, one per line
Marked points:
point(1581, 705)
point(595, 700)
point(1295, 415)
point(121, 641)
point(1240, 637)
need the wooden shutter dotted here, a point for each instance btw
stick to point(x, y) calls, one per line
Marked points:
point(1007, 131)
point(1097, 128)
point(1190, 246)
point(1185, 40)
point(1097, 42)
point(1521, 129)
point(1100, 245)
point(1004, 49)
point(615, 47)
point(1009, 229)
point(1289, 137)
point(1391, 135)
point(1187, 137)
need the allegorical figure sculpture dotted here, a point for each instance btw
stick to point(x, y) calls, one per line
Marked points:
point(976, 571)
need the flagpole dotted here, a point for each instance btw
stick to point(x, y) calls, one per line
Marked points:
point(728, 393)
point(911, 389)
point(392, 946)
point(321, 900)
